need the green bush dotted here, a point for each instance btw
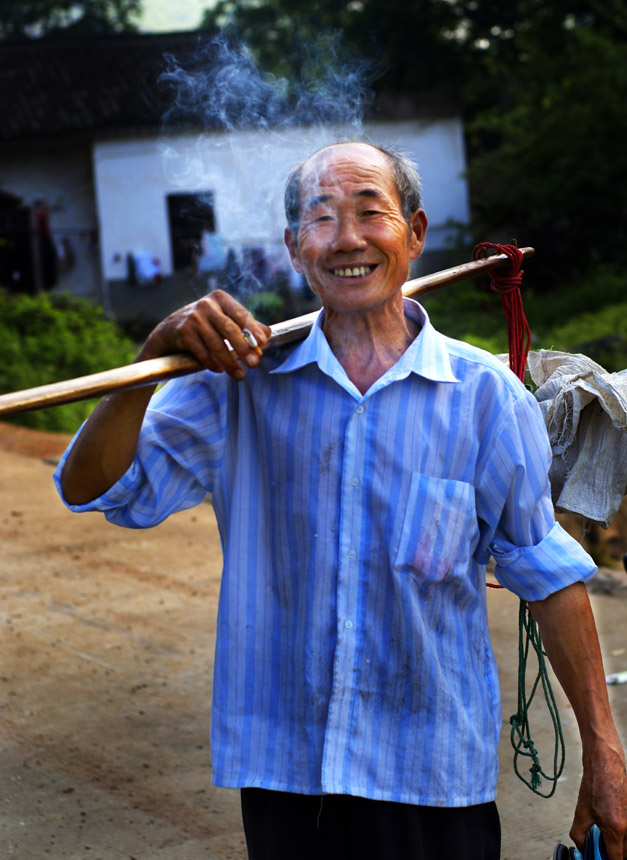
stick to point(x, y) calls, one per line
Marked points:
point(593, 290)
point(266, 307)
point(48, 337)
point(471, 312)
point(601, 335)
point(587, 315)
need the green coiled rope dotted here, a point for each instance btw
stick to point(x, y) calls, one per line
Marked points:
point(524, 747)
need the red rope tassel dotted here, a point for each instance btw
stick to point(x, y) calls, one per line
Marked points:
point(507, 282)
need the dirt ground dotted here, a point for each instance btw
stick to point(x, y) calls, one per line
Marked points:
point(106, 645)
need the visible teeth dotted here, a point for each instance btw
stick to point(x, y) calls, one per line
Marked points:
point(354, 272)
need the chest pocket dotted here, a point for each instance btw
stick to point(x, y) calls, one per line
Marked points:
point(438, 532)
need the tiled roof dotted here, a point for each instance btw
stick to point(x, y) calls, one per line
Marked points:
point(108, 85)
point(51, 88)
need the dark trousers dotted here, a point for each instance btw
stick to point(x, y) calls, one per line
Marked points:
point(283, 826)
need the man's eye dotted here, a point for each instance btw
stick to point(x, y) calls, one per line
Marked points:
point(323, 218)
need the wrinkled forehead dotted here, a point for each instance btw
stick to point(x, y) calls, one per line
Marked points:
point(346, 167)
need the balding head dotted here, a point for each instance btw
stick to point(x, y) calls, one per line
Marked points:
point(402, 169)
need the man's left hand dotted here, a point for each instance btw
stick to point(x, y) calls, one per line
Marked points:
point(570, 639)
point(603, 800)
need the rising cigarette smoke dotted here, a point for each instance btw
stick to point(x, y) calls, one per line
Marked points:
point(221, 87)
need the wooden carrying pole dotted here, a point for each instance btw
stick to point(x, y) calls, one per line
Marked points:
point(156, 370)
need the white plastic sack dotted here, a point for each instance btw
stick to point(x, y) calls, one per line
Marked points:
point(585, 410)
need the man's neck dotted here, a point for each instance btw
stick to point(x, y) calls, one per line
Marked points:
point(368, 343)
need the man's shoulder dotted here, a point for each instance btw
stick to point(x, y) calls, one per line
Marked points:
point(468, 363)
point(466, 355)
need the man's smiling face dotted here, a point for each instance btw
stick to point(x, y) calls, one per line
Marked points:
point(353, 243)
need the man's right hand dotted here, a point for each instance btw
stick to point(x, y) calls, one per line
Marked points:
point(202, 327)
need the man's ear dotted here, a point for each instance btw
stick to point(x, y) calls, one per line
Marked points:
point(418, 221)
point(291, 240)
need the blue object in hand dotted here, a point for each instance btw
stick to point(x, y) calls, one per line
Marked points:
point(593, 848)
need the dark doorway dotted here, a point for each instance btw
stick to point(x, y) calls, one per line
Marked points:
point(188, 216)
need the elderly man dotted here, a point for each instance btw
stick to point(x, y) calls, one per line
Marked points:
point(360, 480)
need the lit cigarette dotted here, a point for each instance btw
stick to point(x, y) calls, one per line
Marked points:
point(251, 340)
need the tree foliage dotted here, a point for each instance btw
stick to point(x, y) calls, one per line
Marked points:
point(469, 45)
point(547, 160)
point(543, 86)
point(37, 18)
point(402, 40)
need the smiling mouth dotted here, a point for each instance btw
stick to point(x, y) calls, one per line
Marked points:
point(353, 271)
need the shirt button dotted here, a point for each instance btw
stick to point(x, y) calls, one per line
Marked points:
point(355, 481)
point(359, 410)
point(352, 553)
point(349, 625)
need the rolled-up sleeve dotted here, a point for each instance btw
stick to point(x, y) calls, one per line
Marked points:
point(179, 451)
point(535, 572)
point(534, 555)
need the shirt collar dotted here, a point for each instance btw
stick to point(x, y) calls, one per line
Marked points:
point(426, 356)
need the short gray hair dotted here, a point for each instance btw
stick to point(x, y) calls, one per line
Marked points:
point(405, 174)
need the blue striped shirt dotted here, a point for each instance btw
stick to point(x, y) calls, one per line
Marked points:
point(353, 653)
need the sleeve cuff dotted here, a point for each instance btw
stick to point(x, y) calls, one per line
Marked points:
point(535, 572)
point(111, 499)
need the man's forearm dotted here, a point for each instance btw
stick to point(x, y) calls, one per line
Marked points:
point(569, 636)
point(105, 447)
point(570, 639)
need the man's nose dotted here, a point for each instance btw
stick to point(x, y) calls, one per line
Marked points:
point(348, 236)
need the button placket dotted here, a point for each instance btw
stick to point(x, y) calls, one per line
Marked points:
point(352, 516)
point(351, 505)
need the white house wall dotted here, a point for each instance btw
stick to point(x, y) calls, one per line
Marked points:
point(246, 173)
point(60, 175)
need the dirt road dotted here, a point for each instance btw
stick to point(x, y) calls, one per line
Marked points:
point(105, 680)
